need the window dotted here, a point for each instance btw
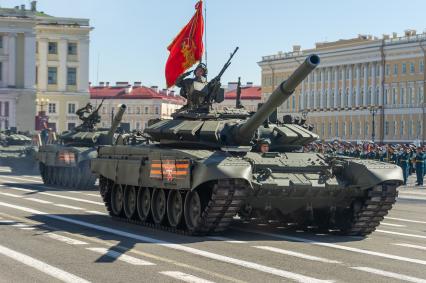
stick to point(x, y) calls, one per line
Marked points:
point(71, 108)
point(410, 96)
point(52, 75)
point(404, 68)
point(394, 128)
point(386, 99)
point(401, 129)
point(336, 128)
point(420, 94)
point(138, 111)
point(1, 41)
point(377, 71)
point(157, 111)
point(350, 128)
point(52, 108)
point(387, 70)
point(329, 129)
point(412, 68)
point(71, 126)
point(422, 66)
point(386, 128)
point(402, 96)
point(395, 69)
point(394, 95)
point(1, 71)
point(72, 48)
point(53, 48)
point(410, 128)
point(138, 126)
point(146, 110)
point(6, 109)
point(418, 128)
point(366, 129)
point(71, 76)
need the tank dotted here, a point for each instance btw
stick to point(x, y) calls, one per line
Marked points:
point(18, 151)
point(67, 162)
point(204, 167)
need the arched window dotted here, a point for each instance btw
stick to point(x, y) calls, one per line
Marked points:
point(377, 100)
point(401, 129)
point(402, 96)
point(394, 96)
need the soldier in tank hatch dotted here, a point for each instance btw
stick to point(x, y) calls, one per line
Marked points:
point(194, 89)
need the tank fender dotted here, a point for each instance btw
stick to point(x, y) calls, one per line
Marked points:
point(216, 168)
point(87, 154)
point(369, 173)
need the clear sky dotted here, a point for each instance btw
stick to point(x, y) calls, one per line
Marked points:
point(131, 36)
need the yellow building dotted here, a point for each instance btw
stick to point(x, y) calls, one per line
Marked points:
point(359, 80)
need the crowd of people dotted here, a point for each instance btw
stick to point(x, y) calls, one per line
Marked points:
point(411, 158)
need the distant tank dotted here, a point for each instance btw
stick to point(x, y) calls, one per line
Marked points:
point(18, 152)
point(205, 166)
point(67, 163)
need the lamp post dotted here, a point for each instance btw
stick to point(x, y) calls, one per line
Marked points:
point(42, 117)
point(373, 111)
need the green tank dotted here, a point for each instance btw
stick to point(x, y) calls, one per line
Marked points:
point(18, 152)
point(67, 162)
point(205, 167)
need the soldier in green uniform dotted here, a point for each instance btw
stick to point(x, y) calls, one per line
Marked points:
point(419, 164)
point(404, 163)
point(194, 89)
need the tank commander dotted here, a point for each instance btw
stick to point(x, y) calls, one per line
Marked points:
point(263, 145)
point(194, 89)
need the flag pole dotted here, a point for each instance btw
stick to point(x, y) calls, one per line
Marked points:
point(205, 31)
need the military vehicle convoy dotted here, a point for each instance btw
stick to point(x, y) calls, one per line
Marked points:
point(18, 152)
point(205, 166)
point(67, 163)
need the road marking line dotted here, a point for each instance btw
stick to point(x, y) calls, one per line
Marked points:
point(410, 246)
point(93, 195)
point(390, 274)
point(401, 234)
point(72, 198)
point(20, 225)
point(413, 193)
point(7, 221)
point(20, 189)
point(185, 277)
point(392, 225)
point(64, 239)
point(411, 197)
point(19, 179)
point(27, 228)
point(10, 195)
point(335, 246)
point(228, 240)
point(296, 254)
point(41, 266)
point(206, 254)
point(39, 200)
point(406, 220)
point(120, 256)
point(68, 206)
point(96, 212)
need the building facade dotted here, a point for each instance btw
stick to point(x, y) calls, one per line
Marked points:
point(143, 103)
point(42, 58)
point(251, 96)
point(366, 88)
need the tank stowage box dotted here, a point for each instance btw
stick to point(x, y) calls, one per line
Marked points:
point(207, 166)
point(67, 163)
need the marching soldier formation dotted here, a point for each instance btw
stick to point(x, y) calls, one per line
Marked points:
point(411, 158)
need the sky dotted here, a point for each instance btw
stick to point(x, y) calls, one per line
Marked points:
point(130, 37)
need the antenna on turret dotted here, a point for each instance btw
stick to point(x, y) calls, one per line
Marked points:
point(238, 97)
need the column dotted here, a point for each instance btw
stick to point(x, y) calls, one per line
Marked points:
point(83, 70)
point(350, 94)
point(322, 92)
point(42, 64)
point(315, 106)
point(343, 96)
point(373, 84)
point(365, 84)
point(29, 60)
point(358, 84)
point(62, 69)
point(12, 59)
point(12, 113)
point(302, 96)
point(336, 86)
point(381, 90)
point(329, 70)
point(308, 93)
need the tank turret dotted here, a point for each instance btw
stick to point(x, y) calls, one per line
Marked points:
point(115, 123)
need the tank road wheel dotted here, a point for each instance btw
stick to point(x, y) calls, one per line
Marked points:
point(117, 196)
point(130, 198)
point(144, 203)
point(192, 210)
point(158, 205)
point(174, 208)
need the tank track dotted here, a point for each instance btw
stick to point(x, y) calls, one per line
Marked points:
point(226, 199)
point(367, 214)
point(70, 177)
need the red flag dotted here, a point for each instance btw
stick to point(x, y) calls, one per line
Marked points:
point(187, 48)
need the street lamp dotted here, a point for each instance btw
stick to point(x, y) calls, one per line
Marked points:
point(373, 111)
point(42, 117)
point(42, 102)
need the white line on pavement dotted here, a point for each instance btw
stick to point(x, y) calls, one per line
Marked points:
point(185, 277)
point(296, 254)
point(206, 254)
point(10, 195)
point(72, 198)
point(120, 256)
point(411, 197)
point(335, 246)
point(412, 193)
point(228, 240)
point(410, 246)
point(41, 266)
point(405, 220)
point(401, 234)
point(390, 274)
point(7, 221)
point(39, 200)
point(391, 224)
point(20, 225)
point(96, 212)
point(93, 195)
point(19, 179)
point(19, 189)
point(67, 206)
point(65, 239)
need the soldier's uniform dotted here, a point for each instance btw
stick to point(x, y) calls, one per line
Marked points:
point(419, 163)
point(195, 90)
point(404, 163)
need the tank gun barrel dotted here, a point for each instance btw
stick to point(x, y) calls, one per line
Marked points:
point(246, 131)
point(116, 122)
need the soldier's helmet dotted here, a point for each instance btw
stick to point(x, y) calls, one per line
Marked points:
point(203, 67)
